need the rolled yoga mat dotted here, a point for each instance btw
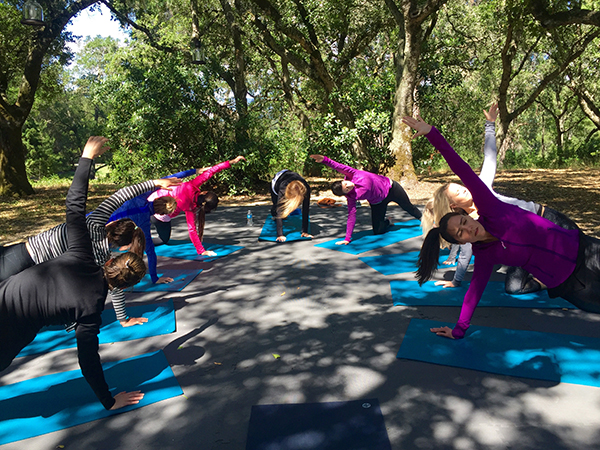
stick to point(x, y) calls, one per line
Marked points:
point(62, 400)
point(529, 354)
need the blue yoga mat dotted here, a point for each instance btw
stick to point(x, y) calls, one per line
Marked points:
point(292, 229)
point(352, 425)
point(363, 241)
point(161, 320)
point(186, 250)
point(408, 293)
point(181, 278)
point(529, 354)
point(62, 400)
point(399, 263)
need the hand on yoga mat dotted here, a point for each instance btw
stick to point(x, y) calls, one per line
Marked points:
point(445, 284)
point(306, 235)
point(127, 398)
point(164, 280)
point(342, 243)
point(280, 239)
point(443, 331)
point(209, 253)
point(134, 321)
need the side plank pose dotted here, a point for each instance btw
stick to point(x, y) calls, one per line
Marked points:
point(117, 234)
point(567, 261)
point(452, 197)
point(195, 203)
point(141, 210)
point(70, 288)
point(288, 191)
point(376, 189)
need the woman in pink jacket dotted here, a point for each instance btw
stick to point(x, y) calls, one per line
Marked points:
point(195, 202)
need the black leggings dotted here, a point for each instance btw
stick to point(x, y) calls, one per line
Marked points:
point(398, 195)
point(163, 229)
point(14, 259)
point(518, 280)
point(582, 288)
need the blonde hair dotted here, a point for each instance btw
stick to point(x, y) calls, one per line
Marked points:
point(125, 270)
point(294, 194)
point(165, 205)
point(436, 208)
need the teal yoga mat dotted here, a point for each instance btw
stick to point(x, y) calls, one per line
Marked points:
point(62, 400)
point(408, 293)
point(530, 354)
point(292, 229)
point(161, 320)
point(181, 278)
point(186, 250)
point(363, 241)
point(400, 262)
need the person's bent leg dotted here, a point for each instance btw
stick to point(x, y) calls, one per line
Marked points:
point(380, 223)
point(163, 229)
point(559, 219)
point(398, 195)
point(14, 259)
point(518, 282)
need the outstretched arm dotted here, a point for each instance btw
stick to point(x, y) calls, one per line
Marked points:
point(490, 153)
point(482, 196)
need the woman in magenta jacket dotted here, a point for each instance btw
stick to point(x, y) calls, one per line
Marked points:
point(567, 261)
point(195, 203)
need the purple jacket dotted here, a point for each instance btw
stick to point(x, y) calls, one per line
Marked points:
point(367, 186)
point(527, 240)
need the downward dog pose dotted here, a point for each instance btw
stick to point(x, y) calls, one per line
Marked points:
point(141, 210)
point(453, 196)
point(288, 191)
point(70, 288)
point(117, 234)
point(195, 203)
point(376, 189)
point(567, 261)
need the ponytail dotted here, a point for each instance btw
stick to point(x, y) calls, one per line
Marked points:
point(125, 232)
point(205, 203)
point(428, 256)
point(430, 250)
point(124, 270)
point(294, 194)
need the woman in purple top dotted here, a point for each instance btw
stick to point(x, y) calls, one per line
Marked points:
point(376, 189)
point(567, 261)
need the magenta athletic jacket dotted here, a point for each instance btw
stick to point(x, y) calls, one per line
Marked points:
point(186, 194)
point(541, 247)
point(367, 186)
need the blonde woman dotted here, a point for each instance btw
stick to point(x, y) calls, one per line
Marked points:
point(288, 191)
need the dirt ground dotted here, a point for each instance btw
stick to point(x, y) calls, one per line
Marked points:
point(575, 192)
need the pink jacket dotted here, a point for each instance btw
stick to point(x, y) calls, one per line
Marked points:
point(186, 194)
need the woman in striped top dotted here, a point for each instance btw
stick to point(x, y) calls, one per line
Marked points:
point(54, 242)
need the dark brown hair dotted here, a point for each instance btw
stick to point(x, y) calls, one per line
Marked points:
point(124, 232)
point(124, 270)
point(205, 203)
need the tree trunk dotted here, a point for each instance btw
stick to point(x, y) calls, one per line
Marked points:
point(13, 176)
point(406, 79)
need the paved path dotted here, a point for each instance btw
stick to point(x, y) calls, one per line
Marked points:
point(331, 319)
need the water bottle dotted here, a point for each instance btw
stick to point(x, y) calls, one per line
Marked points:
point(249, 220)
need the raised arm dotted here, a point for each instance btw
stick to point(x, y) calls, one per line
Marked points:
point(78, 237)
point(490, 152)
point(482, 196)
point(339, 167)
point(210, 172)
